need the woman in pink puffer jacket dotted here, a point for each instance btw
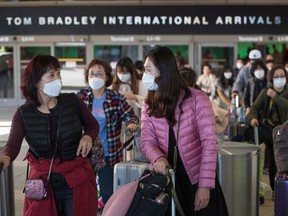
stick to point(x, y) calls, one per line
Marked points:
point(168, 98)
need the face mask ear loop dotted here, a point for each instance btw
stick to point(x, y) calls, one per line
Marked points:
point(157, 78)
point(43, 86)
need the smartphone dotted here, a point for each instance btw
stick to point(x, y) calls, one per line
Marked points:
point(1, 167)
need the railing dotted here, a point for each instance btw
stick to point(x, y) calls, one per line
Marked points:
point(7, 207)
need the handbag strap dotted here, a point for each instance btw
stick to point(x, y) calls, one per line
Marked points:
point(270, 107)
point(172, 171)
point(266, 109)
point(56, 146)
point(176, 145)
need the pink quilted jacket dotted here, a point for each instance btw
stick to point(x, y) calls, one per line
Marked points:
point(197, 138)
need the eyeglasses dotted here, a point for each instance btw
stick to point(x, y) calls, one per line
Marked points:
point(96, 73)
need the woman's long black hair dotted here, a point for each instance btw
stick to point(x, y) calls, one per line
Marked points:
point(171, 87)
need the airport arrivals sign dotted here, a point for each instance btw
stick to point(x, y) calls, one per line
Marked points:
point(144, 20)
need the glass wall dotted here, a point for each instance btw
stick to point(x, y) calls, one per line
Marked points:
point(112, 53)
point(27, 52)
point(73, 62)
point(217, 57)
point(278, 50)
point(6, 72)
point(178, 50)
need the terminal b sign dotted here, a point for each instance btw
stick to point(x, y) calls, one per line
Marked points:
point(144, 20)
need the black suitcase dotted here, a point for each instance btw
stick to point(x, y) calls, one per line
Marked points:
point(281, 194)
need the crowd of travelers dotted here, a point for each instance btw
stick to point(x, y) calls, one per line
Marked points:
point(163, 102)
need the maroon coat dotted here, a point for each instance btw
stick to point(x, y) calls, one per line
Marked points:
point(79, 176)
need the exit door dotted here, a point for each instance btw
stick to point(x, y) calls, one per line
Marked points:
point(217, 55)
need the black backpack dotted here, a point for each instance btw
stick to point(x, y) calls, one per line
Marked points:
point(280, 140)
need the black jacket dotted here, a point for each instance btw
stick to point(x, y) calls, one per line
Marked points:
point(38, 127)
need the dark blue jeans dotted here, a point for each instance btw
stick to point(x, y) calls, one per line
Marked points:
point(64, 202)
point(63, 195)
point(106, 181)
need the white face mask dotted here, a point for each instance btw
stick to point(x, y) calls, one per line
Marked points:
point(124, 77)
point(96, 83)
point(239, 65)
point(279, 82)
point(228, 75)
point(259, 74)
point(149, 82)
point(52, 89)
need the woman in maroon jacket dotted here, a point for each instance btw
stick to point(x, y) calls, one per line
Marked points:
point(53, 129)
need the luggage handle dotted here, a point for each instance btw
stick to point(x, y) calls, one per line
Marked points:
point(175, 204)
point(256, 134)
point(127, 146)
point(236, 101)
point(126, 143)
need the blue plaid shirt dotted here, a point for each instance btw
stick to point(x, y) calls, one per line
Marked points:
point(116, 110)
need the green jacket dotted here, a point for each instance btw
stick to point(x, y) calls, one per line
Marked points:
point(281, 100)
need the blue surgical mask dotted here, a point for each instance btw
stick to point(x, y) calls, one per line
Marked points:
point(228, 75)
point(96, 83)
point(259, 74)
point(239, 65)
point(124, 77)
point(149, 82)
point(53, 89)
point(279, 82)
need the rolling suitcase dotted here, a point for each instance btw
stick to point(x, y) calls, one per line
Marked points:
point(128, 171)
point(281, 194)
point(232, 125)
